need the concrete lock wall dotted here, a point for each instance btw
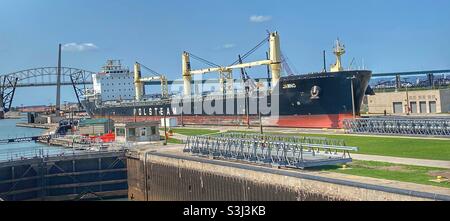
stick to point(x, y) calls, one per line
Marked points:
point(167, 178)
point(92, 176)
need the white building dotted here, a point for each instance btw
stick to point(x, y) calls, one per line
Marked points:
point(416, 102)
point(114, 83)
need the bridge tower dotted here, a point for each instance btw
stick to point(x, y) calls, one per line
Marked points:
point(58, 83)
point(2, 112)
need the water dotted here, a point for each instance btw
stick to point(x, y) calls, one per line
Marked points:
point(8, 129)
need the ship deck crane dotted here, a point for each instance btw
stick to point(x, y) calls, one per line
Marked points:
point(139, 81)
point(274, 62)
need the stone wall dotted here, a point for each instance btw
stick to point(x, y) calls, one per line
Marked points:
point(169, 178)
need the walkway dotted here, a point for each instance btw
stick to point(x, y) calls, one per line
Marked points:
point(402, 160)
point(305, 131)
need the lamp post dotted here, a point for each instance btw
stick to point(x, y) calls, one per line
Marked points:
point(165, 125)
point(260, 123)
point(65, 105)
point(247, 103)
point(353, 95)
point(259, 114)
point(134, 111)
point(182, 110)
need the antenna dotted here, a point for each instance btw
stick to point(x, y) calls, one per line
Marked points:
point(324, 62)
point(351, 63)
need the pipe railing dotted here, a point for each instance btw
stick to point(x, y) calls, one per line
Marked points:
point(399, 126)
point(269, 150)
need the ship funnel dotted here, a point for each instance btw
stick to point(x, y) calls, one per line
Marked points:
point(275, 57)
point(187, 77)
point(138, 86)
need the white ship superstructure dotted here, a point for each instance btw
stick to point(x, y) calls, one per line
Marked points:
point(114, 83)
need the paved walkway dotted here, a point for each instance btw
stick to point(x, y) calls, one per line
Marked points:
point(306, 131)
point(402, 160)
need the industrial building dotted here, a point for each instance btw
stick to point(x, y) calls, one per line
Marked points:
point(137, 131)
point(413, 102)
point(95, 126)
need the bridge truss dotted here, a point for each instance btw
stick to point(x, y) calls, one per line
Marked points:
point(44, 76)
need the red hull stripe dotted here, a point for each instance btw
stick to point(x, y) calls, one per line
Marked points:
point(303, 121)
point(314, 121)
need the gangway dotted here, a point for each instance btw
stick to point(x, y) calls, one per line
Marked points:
point(26, 139)
point(281, 151)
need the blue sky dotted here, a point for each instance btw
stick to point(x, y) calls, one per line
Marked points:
point(389, 35)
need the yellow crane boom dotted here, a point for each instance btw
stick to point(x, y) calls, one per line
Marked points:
point(139, 82)
point(274, 62)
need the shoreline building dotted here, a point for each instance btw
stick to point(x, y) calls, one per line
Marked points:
point(416, 102)
point(137, 131)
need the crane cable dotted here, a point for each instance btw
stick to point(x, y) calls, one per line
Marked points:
point(287, 64)
point(203, 60)
point(252, 50)
point(162, 78)
point(237, 61)
point(152, 72)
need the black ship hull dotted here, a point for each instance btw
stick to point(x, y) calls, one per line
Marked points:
point(320, 100)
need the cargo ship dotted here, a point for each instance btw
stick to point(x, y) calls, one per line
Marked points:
point(315, 100)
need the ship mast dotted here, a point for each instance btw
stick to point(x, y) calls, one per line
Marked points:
point(339, 50)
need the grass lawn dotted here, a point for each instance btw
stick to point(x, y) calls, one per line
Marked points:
point(172, 140)
point(193, 132)
point(390, 171)
point(396, 147)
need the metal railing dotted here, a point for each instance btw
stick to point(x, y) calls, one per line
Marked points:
point(399, 126)
point(285, 138)
point(276, 150)
point(48, 153)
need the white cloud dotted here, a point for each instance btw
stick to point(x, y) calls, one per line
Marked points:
point(75, 47)
point(260, 18)
point(226, 46)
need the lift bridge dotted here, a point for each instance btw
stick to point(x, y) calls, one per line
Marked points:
point(276, 150)
point(79, 79)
